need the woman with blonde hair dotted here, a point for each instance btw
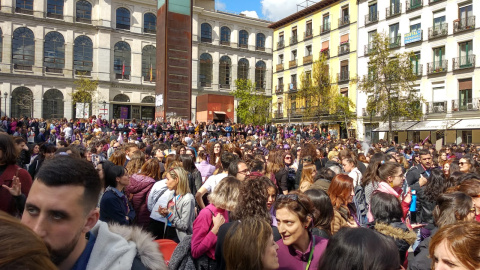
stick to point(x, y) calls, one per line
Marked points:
point(118, 157)
point(136, 162)
point(210, 218)
point(180, 208)
point(308, 172)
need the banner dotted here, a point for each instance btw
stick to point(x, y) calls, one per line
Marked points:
point(82, 110)
point(123, 112)
point(414, 36)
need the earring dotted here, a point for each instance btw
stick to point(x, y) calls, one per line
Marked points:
point(306, 227)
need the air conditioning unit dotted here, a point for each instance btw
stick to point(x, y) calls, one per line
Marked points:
point(470, 106)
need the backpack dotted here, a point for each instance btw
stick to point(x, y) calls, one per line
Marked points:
point(361, 204)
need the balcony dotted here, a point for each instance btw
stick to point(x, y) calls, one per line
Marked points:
point(22, 67)
point(344, 48)
point(368, 49)
point(393, 10)
point(260, 48)
point(224, 86)
point(436, 107)
point(24, 10)
point(343, 76)
point(83, 20)
point(307, 59)
point(281, 44)
point(325, 52)
point(438, 31)
point(437, 67)
point(225, 42)
point(344, 21)
point(467, 104)
point(325, 28)
point(279, 89)
point(371, 18)
point(430, 2)
point(464, 24)
point(395, 42)
point(414, 4)
point(206, 84)
point(292, 87)
point(297, 112)
point(463, 62)
point(278, 114)
point(417, 69)
point(54, 15)
point(293, 40)
point(308, 34)
point(279, 67)
point(292, 63)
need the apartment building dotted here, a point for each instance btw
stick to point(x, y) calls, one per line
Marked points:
point(442, 35)
point(328, 27)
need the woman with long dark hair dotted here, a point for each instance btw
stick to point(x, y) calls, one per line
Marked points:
point(323, 220)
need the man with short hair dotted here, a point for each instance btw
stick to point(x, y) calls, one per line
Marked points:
point(239, 169)
point(421, 171)
point(61, 209)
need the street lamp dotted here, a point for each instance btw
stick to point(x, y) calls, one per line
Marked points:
point(104, 104)
point(5, 94)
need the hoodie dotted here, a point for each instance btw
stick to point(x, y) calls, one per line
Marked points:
point(140, 186)
point(118, 247)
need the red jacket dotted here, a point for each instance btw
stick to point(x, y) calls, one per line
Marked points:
point(7, 203)
point(140, 186)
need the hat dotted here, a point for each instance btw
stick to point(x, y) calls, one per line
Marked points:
point(286, 146)
point(416, 147)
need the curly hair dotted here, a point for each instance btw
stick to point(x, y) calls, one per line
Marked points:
point(136, 162)
point(308, 150)
point(252, 200)
point(435, 186)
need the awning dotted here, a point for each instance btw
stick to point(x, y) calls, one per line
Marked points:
point(467, 124)
point(219, 112)
point(433, 125)
point(396, 126)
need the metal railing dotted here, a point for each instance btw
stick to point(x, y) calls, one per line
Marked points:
point(437, 67)
point(417, 69)
point(343, 76)
point(281, 44)
point(344, 48)
point(122, 77)
point(325, 28)
point(438, 31)
point(463, 62)
point(293, 40)
point(393, 10)
point(83, 72)
point(467, 104)
point(414, 4)
point(371, 18)
point(278, 114)
point(308, 34)
point(464, 24)
point(149, 31)
point(292, 63)
point(436, 107)
point(279, 89)
point(292, 87)
point(326, 53)
point(368, 49)
point(344, 21)
point(279, 67)
point(395, 42)
point(307, 59)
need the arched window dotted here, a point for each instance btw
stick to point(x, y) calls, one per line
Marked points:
point(83, 55)
point(53, 104)
point(84, 11)
point(23, 49)
point(22, 102)
point(121, 98)
point(242, 69)
point(121, 60)
point(206, 33)
point(24, 6)
point(149, 63)
point(225, 35)
point(243, 39)
point(206, 66)
point(54, 52)
point(123, 18)
point(55, 9)
point(260, 42)
point(148, 99)
point(149, 23)
point(260, 69)
point(225, 66)
point(1, 44)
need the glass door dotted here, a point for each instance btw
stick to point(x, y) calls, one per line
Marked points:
point(464, 54)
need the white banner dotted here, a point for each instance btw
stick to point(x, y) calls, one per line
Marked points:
point(82, 110)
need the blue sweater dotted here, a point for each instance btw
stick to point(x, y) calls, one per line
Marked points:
point(114, 209)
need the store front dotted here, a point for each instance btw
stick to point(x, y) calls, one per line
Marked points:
point(123, 109)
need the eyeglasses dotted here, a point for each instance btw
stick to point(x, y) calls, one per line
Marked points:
point(307, 160)
point(299, 149)
point(246, 171)
point(288, 157)
point(292, 197)
point(462, 163)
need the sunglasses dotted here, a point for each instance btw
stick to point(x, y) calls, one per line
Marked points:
point(291, 197)
point(462, 163)
point(288, 157)
point(307, 160)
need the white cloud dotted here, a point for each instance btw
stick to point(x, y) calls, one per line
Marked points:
point(219, 5)
point(275, 10)
point(252, 14)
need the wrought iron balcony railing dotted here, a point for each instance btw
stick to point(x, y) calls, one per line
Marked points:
point(395, 42)
point(463, 62)
point(393, 10)
point(83, 20)
point(368, 49)
point(437, 67)
point(417, 69)
point(466, 104)
point(24, 10)
point(260, 48)
point(344, 48)
point(344, 21)
point(438, 31)
point(414, 4)
point(325, 28)
point(343, 76)
point(436, 107)
point(325, 52)
point(464, 24)
point(371, 18)
point(293, 40)
point(279, 89)
point(281, 44)
point(308, 34)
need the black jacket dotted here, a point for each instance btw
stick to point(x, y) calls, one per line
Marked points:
point(403, 237)
point(421, 261)
point(424, 208)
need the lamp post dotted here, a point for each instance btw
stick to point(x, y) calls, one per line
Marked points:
point(5, 94)
point(104, 104)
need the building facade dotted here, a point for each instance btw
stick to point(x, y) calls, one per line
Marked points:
point(328, 27)
point(442, 35)
point(46, 44)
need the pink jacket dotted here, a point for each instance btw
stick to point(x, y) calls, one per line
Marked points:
point(386, 188)
point(140, 186)
point(203, 240)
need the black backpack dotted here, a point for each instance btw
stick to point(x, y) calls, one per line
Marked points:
point(361, 205)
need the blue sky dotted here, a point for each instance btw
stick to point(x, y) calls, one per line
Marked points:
point(266, 9)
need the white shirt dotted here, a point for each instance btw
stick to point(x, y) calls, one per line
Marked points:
point(68, 132)
point(213, 181)
point(161, 201)
point(356, 175)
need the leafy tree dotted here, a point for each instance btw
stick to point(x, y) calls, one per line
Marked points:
point(343, 110)
point(252, 107)
point(85, 91)
point(389, 84)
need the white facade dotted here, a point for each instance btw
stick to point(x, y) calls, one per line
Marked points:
point(440, 89)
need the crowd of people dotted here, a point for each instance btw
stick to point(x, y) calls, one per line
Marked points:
point(96, 194)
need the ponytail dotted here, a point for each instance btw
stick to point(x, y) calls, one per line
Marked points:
point(386, 169)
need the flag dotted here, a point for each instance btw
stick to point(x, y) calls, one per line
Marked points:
point(151, 73)
point(426, 139)
point(123, 69)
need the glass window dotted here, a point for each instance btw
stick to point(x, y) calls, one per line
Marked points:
point(21, 5)
point(308, 50)
point(394, 30)
point(280, 59)
point(438, 21)
point(123, 19)
point(122, 60)
point(206, 66)
point(54, 52)
point(243, 41)
point(206, 32)
point(53, 104)
point(55, 9)
point(260, 41)
point(149, 23)
point(415, 27)
point(242, 69)
point(23, 48)
point(415, 60)
point(466, 57)
point(438, 54)
point(83, 55)
point(294, 55)
point(260, 69)
point(225, 35)
point(372, 10)
point(84, 11)
point(149, 63)
point(22, 102)
point(466, 12)
point(1, 44)
point(224, 73)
